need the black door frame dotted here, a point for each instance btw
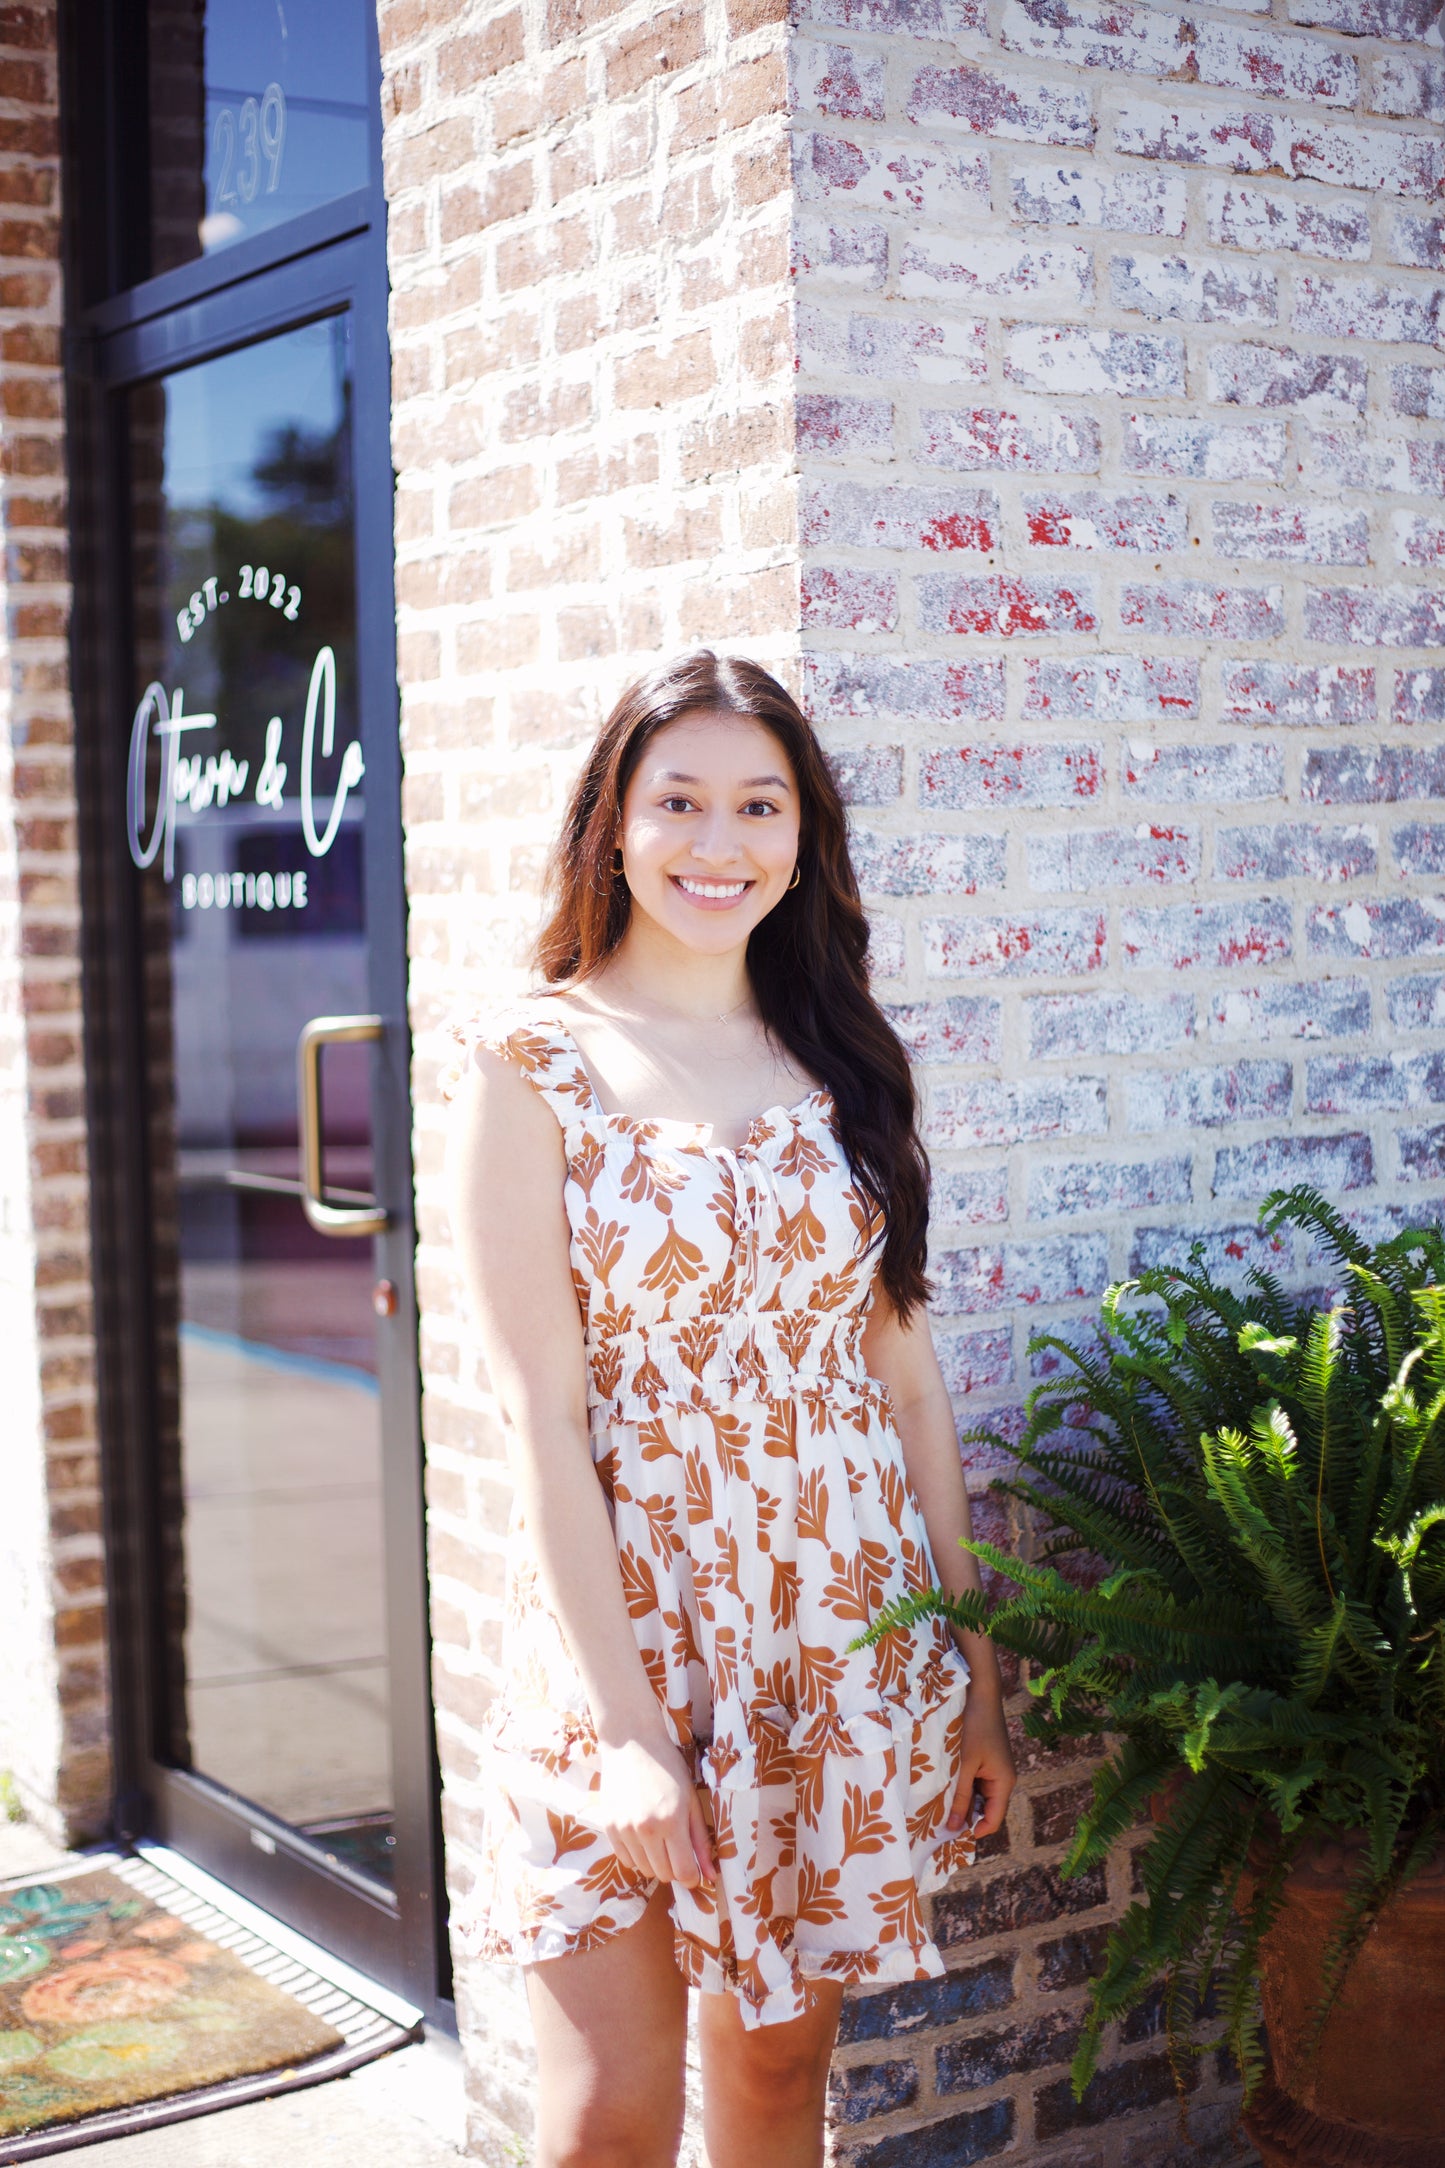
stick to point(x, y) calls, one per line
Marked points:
point(331, 260)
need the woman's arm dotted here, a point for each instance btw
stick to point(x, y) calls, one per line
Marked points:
point(505, 1174)
point(903, 1358)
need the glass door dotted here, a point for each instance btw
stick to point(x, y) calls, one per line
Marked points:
point(245, 816)
point(274, 1505)
point(246, 975)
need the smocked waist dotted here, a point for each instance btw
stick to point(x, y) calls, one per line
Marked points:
point(742, 1354)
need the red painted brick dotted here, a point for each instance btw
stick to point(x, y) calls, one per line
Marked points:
point(844, 598)
point(1417, 1002)
point(1359, 308)
point(1418, 240)
point(1420, 847)
point(1167, 774)
point(918, 864)
point(1069, 1188)
point(1419, 538)
point(1407, 19)
point(1415, 389)
point(1241, 140)
point(1085, 861)
point(953, 350)
point(1228, 1252)
point(1213, 1098)
point(1075, 359)
point(928, 181)
point(1110, 688)
point(1370, 930)
point(836, 425)
point(868, 775)
point(1019, 110)
point(1124, 40)
point(1419, 697)
point(1193, 609)
point(1287, 532)
point(897, 517)
point(1094, 520)
point(1075, 1026)
point(1291, 1009)
point(972, 1282)
point(1420, 1151)
point(1217, 936)
point(964, 777)
point(1131, 202)
point(1282, 376)
point(964, 1027)
point(1264, 63)
point(972, 1361)
point(1410, 86)
point(1346, 459)
point(1376, 616)
point(1047, 944)
point(934, 692)
point(1194, 289)
point(1373, 775)
point(1256, 218)
point(994, 439)
point(936, 269)
point(1290, 850)
point(1371, 1083)
point(1003, 607)
point(837, 80)
point(845, 255)
point(1184, 446)
point(1304, 695)
point(988, 1112)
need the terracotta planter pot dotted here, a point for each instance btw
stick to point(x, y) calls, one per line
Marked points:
point(1374, 2095)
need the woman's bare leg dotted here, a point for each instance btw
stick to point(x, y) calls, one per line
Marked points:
point(611, 2027)
point(763, 2092)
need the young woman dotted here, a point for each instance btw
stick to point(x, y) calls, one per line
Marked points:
point(691, 1206)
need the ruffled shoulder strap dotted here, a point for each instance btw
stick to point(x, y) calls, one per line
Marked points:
point(538, 1042)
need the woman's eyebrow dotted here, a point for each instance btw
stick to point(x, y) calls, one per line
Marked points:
point(751, 782)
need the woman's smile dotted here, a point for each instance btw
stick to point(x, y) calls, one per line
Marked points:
point(709, 895)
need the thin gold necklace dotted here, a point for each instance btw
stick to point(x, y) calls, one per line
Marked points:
point(720, 1016)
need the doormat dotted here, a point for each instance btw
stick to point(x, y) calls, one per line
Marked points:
point(128, 2000)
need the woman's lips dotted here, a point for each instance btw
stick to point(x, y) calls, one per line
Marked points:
point(733, 893)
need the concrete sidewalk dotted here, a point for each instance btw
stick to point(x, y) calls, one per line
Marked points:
point(402, 2111)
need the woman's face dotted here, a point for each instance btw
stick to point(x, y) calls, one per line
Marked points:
point(710, 828)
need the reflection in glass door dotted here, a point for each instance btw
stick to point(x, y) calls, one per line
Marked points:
point(244, 820)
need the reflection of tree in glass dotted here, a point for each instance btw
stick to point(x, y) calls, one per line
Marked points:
point(248, 661)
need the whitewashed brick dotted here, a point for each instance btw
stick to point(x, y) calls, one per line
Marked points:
point(1130, 202)
point(1260, 218)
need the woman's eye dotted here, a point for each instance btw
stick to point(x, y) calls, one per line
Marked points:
point(759, 805)
point(677, 805)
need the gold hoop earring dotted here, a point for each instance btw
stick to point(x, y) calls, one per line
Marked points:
point(797, 876)
point(617, 865)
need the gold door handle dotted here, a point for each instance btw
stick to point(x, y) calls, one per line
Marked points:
point(328, 1219)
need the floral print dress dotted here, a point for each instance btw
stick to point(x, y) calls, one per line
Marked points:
point(755, 1481)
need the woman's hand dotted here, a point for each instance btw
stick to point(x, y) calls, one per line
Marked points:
point(651, 1814)
point(985, 1766)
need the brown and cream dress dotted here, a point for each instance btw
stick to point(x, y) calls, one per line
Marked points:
point(756, 1485)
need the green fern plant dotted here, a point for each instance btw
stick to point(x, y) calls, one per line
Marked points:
point(1262, 1483)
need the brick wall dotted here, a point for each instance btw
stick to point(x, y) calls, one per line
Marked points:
point(590, 211)
point(1120, 526)
point(1086, 475)
point(53, 1718)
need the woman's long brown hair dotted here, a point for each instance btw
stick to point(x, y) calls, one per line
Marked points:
point(807, 959)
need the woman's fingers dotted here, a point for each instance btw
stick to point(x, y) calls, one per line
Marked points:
point(961, 1806)
point(700, 1841)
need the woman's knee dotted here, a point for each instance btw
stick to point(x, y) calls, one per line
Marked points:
point(608, 2127)
point(773, 2071)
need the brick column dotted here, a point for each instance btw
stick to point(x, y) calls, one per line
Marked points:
point(53, 1713)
